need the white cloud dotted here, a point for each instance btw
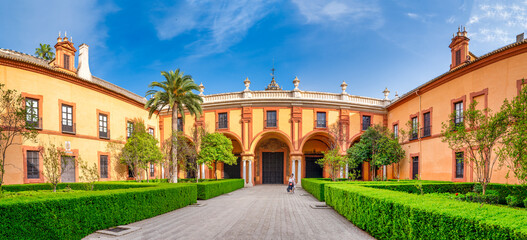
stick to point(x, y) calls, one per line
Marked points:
point(351, 11)
point(29, 23)
point(412, 15)
point(451, 19)
point(493, 24)
point(221, 24)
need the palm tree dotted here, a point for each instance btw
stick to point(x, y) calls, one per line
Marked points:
point(45, 51)
point(175, 94)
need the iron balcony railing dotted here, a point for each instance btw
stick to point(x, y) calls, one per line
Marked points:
point(426, 131)
point(69, 129)
point(321, 123)
point(270, 123)
point(414, 134)
point(35, 124)
point(104, 135)
point(222, 125)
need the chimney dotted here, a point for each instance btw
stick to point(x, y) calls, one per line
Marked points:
point(84, 63)
point(65, 54)
point(459, 48)
point(519, 38)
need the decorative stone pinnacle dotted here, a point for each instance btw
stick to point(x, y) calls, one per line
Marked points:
point(201, 88)
point(247, 83)
point(296, 82)
point(396, 95)
point(386, 93)
point(344, 86)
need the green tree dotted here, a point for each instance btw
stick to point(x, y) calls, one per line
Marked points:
point(215, 148)
point(13, 124)
point(53, 164)
point(140, 150)
point(514, 143)
point(376, 146)
point(45, 51)
point(174, 94)
point(90, 173)
point(186, 152)
point(478, 133)
point(334, 162)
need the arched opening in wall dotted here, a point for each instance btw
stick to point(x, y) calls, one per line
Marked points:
point(272, 161)
point(186, 153)
point(234, 170)
point(358, 172)
point(313, 150)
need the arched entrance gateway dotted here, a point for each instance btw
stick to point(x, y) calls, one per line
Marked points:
point(235, 170)
point(313, 149)
point(272, 160)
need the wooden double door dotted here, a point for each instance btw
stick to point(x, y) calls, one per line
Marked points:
point(272, 167)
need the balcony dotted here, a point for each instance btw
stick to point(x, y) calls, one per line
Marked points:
point(68, 129)
point(104, 135)
point(426, 131)
point(270, 123)
point(222, 125)
point(34, 124)
point(321, 123)
point(414, 135)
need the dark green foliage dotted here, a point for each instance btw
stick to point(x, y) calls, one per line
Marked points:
point(210, 189)
point(77, 214)
point(514, 201)
point(396, 215)
point(75, 186)
point(315, 186)
point(490, 197)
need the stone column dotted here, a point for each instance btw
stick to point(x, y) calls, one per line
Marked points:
point(250, 173)
point(341, 173)
point(299, 174)
point(293, 166)
point(244, 173)
point(347, 170)
point(203, 171)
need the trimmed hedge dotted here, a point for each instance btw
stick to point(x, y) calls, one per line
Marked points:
point(75, 186)
point(396, 215)
point(207, 190)
point(75, 215)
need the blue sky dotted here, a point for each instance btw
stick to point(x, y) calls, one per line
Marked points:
point(369, 44)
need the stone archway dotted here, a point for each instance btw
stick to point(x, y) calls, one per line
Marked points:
point(235, 170)
point(272, 160)
point(313, 149)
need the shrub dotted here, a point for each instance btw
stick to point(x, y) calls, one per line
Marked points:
point(207, 190)
point(396, 215)
point(75, 186)
point(514, 201)
point(77, 214)
point(315, 186)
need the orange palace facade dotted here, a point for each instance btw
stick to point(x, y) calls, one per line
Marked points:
point(274, 132)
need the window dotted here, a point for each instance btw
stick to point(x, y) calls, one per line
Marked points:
point(458, 57)
point(395, 131)
point(32, 118)
point(103, 165)
point(321, 120)
point(460, 164)
point(415, 126)
point(66, 61)
point(458, 108)
point(103, 126)
point(67, 119)
point(366, 122)
point(426, 128)
point(179, 124)
point(222, 120)
point(129, 129)
point(32, 165)
point(415, 167)
point(152, 170)
point(151, 131)
point(271, 119)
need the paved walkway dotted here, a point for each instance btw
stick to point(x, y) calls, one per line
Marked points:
point(260, 212)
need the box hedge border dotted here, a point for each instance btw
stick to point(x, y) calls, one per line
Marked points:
point(389, 214)
point(207, 190)
point(76, 215)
